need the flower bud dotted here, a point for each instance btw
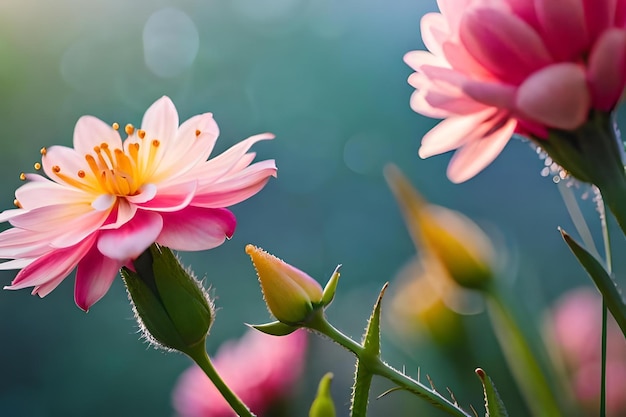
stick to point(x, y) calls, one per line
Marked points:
point(290, 294)
point(458, 243)
point(170, 305)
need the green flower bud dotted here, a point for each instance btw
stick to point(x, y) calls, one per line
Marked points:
point(290, 294)
point(459, 244)
point(171, 306)
point(323, 405)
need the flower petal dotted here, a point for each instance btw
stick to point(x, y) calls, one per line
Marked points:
point(37, 194)
point(556, 96)
point(237, 187)
point(170, 198)
point(563, 26)
point(132, 238)
point(66, 160)
point(477, 154)
point(52, 267)
point(196, 228)
point(435, 31)
point(50, 217)
point(161, 121)
point(607, 70)
point(453, 132)
point(91, 132)
point(508, 47)
point(94, 276)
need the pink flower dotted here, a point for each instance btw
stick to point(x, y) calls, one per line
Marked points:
point(259, 368)
point(575, 323)
point(106, 200)
point(498, 67)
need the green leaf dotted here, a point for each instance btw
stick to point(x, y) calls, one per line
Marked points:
point(323, 405)
point(493, 404)
point(607, 286)
point(275, 328)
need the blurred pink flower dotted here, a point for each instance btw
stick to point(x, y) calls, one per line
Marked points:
point(259, 368)
point(105, 201)
point(498, 67)
point(576, 326)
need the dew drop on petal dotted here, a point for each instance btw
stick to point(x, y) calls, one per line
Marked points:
point(170, 42)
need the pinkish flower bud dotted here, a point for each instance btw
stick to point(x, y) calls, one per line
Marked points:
point(290, 294)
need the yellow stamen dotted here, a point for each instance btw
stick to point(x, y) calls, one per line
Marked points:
point(37, 166)
point(43, 151)
point(198, 133)
point(130, 129)
point(56, 169)
point(16, 203)
point(156, 143)
point(23, 176)
point(141, 133)
point(115, 126)
point(81, 174)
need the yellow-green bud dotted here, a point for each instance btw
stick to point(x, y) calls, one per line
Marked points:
point(459, 244)
point(290, 294)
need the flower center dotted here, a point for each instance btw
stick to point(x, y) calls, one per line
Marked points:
point(116, 171)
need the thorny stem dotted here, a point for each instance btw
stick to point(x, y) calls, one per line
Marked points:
point(377, 367)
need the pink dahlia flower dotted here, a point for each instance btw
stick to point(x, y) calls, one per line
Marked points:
point(259, 368)
point(498, 67)
point(575, 325)
point(105, 201)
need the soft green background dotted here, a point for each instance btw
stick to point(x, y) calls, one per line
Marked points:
point(327, 77)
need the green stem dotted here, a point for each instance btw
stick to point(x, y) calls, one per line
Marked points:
point(360, 396)
point(200, 357)
point(521, 359)
point(376, 366)
point(606, 237)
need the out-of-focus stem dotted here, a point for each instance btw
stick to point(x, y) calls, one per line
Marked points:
point(521, 359)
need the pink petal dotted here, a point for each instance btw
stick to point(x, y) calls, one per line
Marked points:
point(434, 29)
point(50, 217)
point(563, 26)
point(508, 47)
point(170, 198)
point(607, 70)
point(556, 96)
point(146, 193)
point(161, 121)
point(40, 193)
point(420, 105)
point(80, 228)
point(10, 214)
point(124, 213)
point(91, 132)
point(211, 170)
point(133, 238)
point(453, 132)
point(52, 267)
point(464, 62)
point(599, 16)
point(189, 148)
point(20, 243)
point(16, 264)
point(196, 228)
point(493, 94)
point(67, 159)
point(476, 155)
point(94, 276)
point(236, 187)
point(415, 59)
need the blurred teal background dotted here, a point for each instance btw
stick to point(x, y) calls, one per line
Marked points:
point(327, 77)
